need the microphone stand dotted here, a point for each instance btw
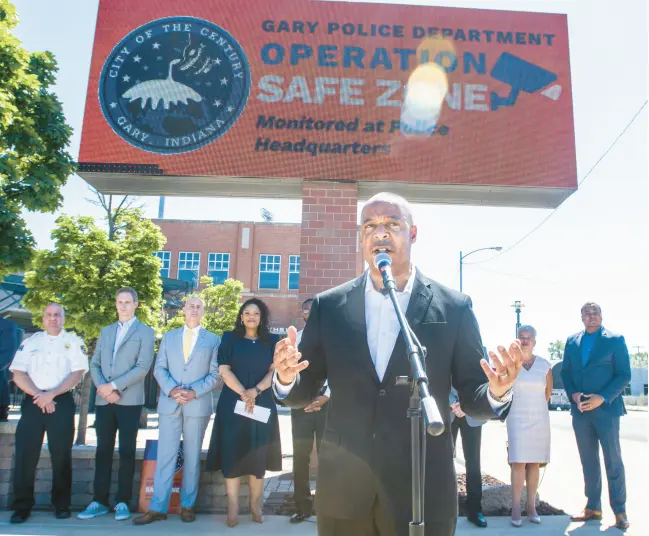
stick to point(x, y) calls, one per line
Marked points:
point(420, 402)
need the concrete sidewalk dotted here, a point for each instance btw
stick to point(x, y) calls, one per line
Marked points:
point(44, 523)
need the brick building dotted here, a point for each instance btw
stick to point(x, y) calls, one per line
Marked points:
point(265, 257)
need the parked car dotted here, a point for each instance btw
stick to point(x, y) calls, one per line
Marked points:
point(559, 398)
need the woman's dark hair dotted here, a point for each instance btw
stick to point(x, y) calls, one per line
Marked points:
point(263, 330)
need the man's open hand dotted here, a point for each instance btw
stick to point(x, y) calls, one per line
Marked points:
point(287, 359)
point(508, 367)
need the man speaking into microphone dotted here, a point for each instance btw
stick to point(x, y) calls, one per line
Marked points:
point(352, 339)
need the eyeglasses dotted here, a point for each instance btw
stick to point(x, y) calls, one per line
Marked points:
point(593, 314)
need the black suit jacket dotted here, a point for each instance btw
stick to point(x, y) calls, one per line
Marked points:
point(365, 449)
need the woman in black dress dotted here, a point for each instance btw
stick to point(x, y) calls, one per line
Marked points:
point(240, 445)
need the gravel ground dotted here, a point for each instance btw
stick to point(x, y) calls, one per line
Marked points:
point(287, 506)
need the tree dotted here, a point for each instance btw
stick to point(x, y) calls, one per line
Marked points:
point(85, 268)
point(639, 360)
point(556, 349)
point(34, 163)
point(221, 306)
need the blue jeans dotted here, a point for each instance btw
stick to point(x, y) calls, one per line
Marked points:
point(593, 428)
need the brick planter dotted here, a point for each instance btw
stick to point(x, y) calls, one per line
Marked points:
point(211, 494)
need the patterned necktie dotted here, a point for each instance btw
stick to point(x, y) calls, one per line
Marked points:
point(187, 343)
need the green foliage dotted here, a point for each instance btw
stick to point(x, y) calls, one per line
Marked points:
point(221, 306)
point(34, 163)
point(85, 269)
point(639, 360)
point(556, 349)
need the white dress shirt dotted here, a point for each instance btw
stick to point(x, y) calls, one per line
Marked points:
point(194, 332)
point(381, 321)
point(49, 359)
point(382, 332)
point(122, 330)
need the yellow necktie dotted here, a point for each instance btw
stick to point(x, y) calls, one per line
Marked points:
point(187, 344)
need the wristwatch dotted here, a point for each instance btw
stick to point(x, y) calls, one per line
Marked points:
point(258, 390)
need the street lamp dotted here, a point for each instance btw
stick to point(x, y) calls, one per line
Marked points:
point(462, 257)
point(518, 305)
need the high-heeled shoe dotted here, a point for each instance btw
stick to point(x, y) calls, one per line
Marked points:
point(232, 522)
point(257, 518)
point(517, 523)
point(535, 519)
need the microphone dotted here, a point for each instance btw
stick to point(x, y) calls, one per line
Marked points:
point(383, 262)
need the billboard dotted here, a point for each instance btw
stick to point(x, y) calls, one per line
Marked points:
point(238, 97)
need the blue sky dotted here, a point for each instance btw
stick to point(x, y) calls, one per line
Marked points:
point(594, 247)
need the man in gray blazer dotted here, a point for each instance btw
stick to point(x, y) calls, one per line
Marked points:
point(187, 371)
point(123, 357)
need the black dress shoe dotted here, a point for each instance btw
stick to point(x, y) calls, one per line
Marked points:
point(62, 514)
point(19, 516)
point(477, 519)
point(299, 517)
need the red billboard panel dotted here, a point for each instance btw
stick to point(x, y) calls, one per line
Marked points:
point(199, 95)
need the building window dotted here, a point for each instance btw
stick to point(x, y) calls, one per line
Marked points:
point(165, 258)
point(645, 389)
point(269, 269)
point(294, 272)
point(188, 266)
point(627, 390)
point(218, 267)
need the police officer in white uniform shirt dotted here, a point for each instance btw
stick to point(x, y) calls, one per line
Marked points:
point(46, 367)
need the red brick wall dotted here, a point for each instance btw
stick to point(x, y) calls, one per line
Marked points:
point(328, 247)
point(226, 237)
point(326, 243)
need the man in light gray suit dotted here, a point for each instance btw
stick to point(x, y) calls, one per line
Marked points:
point(471, 439)
point(123, 357)
point(187, 371)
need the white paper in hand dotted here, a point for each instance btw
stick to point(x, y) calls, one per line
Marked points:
point(258, 414)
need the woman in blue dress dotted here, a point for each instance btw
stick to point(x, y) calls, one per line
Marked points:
point(241, 446)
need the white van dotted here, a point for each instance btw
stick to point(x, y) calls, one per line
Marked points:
point(559, 398)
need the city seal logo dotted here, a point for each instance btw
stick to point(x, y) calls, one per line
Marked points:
point(174, 85)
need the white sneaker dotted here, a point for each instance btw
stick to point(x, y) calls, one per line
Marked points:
point(122, 512)
point(94, 509)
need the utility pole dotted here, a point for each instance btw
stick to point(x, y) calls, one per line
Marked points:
point(518, 305)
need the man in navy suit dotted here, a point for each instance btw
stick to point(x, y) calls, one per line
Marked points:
point(596, 369)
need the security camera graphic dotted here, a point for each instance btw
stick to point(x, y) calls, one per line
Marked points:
point(521, 75)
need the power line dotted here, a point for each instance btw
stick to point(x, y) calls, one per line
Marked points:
point(579, 184)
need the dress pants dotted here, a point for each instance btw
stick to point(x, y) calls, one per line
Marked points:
point(471, 439)
point(109, 420)
point(592, 428)
point(378, 524)
point(170, 429)
point(30, 431)
point(305, 427)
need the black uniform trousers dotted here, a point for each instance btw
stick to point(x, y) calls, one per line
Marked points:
point(378, 524)
point(471, 438)
point(305, 427)
point(32, 426)
point(109, 420)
